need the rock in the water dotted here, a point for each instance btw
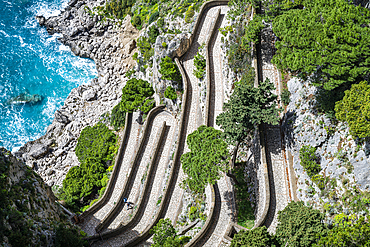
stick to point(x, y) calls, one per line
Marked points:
point(24, 98)
point(41, 20)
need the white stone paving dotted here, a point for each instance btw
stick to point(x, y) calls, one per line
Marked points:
point(155, 190)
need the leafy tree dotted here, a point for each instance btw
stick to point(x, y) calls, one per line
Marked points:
point(136, 95)
point(299, 225)
point(165, 235)
point(169, 70)
point(328, 38)
point(206, 159)
point(248, 107)
point(355, 234)
point(170, 93)
point(258, 237)
point(309, 160)
point(354, 108)
point(97, 143)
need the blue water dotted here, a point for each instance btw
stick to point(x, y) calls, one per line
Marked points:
point(32, 60)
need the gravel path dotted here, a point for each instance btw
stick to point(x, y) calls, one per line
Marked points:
point(133, 140)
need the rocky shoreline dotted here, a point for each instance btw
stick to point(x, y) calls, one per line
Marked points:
point(111, 45)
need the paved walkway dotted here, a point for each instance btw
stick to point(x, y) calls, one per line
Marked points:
point(280, 194)
point(93, 220)
point(157, 184)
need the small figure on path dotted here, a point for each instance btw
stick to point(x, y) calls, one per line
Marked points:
point(129, 205)
point(124, 199)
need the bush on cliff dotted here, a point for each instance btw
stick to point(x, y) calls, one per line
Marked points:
point(354, 109)
point(200, 65)
point(117, 117)
point(258, 237)
point(136, 94)
point(95, 149)
point(169, 70)
point(309, 160)
point(170, 93)
point(164, 235)
point(96, 143)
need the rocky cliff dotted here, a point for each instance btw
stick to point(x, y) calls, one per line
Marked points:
point(28, 212)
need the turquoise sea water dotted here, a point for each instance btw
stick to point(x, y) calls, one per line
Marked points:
point(32, 60)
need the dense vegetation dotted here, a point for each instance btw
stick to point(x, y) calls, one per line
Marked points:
point(136, 94)
point(95, 149)
point(69, 237)
point(354, 109)
point(164, 235)
point(258, 237)
point(169, 70)
point(206, 159)
point(299, 225)
point(328, 38)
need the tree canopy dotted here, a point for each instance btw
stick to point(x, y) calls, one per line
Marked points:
point(97, 143)
point(258, 237)
point(164, 235)
point(354, 234)
point(327, 37)
point(206, 159)
point(248, 107)
point(299, 225)
point(354, 108)
point(136, 95)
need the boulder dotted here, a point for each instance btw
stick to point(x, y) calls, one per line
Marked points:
point(38, 150)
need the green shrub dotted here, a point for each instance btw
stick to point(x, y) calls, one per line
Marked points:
point(136, 21)
point(200, 65)
point(118, 117)
point(153, 17)
point(96, 143)
point(354, 109)
point(164, 44)
point(299, 225)
point(164, 235)
point(160, 22)
point(169, 70)
point(170, 93)
point(153, 34)
point(258, 237)
point(189, 14)
point(309, 160)
point(136, 94)
point(285, 96)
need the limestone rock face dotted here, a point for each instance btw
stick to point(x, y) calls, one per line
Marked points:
point(28, 208)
